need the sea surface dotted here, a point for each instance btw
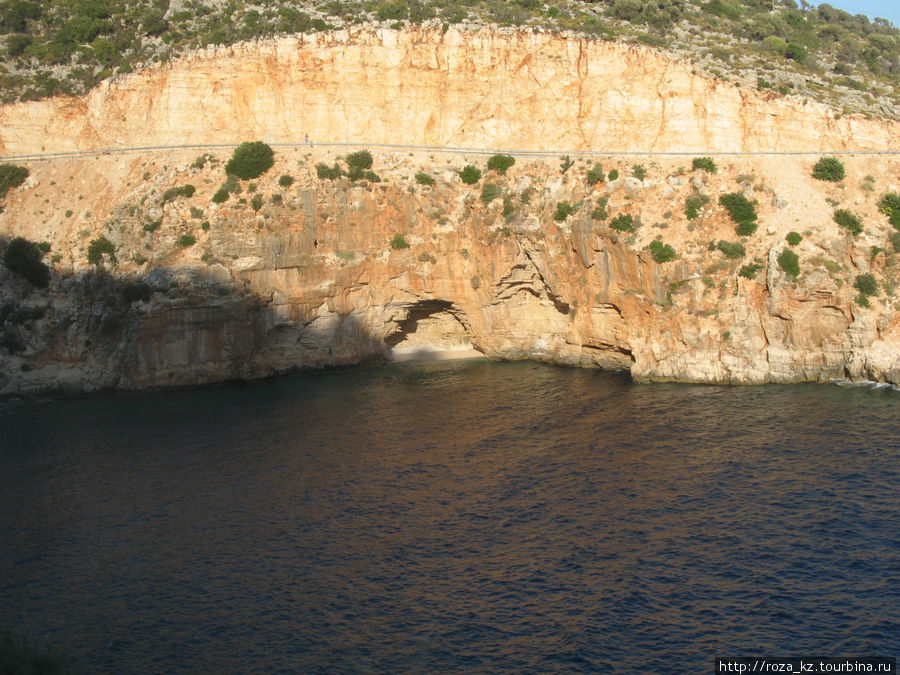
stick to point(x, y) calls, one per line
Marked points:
point(452, 517)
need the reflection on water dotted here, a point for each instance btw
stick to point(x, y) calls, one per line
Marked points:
point(452, 516)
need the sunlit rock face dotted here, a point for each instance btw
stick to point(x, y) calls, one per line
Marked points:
point(512, 89)
point(311, 279)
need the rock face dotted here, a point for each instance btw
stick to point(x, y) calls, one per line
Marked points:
point(316, 275)
point(480, 89)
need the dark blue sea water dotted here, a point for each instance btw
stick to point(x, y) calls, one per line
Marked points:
point(453, 517)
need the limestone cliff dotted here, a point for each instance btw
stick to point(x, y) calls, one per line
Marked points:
point(305, 275)
point(515, 90)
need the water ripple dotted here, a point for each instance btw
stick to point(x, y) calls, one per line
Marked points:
point(452, 517)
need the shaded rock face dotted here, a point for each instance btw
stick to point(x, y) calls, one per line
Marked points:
point(478, 89)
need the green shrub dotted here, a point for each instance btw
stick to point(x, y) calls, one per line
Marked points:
point(563, 210)
point(424, 179)
point(257, 202)
point(889, 205)
point(614, 174)
point(789, 262)
point(196, 213)
point(186, 240)
point(704, 164)
point(732, 249)
point(250, 160)
point(500, 163)
point(622, 222)
point(595, 174)
point(599, 212)
point(489, 192)
point(866, 284)
point(862, 300)
point(286, 181)
point(204, 225)
point(220, 196)
point(895, 240)
point(470, 175)
point(152, 227)
point(399, 242)
point(323, 171)
point(11, 176)
point(639, 172)
point(830, 169)
point(24, 258)
point(693, 204)
point(796, 52)
point(98, 248)
point(358, 164)
point(749, 271)
point(565, 163)
point(739, 207)
point(183, 191)
point(849, 221)
point(746, 229)
point(793, 238)
point(661, 252)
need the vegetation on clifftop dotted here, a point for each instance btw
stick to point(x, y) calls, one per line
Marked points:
point(850, 62)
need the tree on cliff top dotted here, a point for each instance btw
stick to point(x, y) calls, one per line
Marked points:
point(250, 160)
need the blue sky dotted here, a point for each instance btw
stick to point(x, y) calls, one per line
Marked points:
point(886, 9)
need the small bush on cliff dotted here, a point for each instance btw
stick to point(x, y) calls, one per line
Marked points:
point(693, 204)
point(600, 212)
point(732, 249)
point(789, 262)
point(424, 179)
point(250, 160)
point(661, 252)
point(595, 174)
point(849, 221)
point(793, 238)
point(399, 242)
point(889, 205)
point(257, 202)
point(613, 174)
point(741, 209)
point(186, 240)
point(175, 192)
point(11, 176)
point(563, 210)
point(286, 181)
point(100, 247)
point(830, 169)
point(622, 222)
point(500, 163)
point(323, 171)
point(220, 196)
point(470, 175)
point(359, 164)
point(704, 164)
point(866, 284)
point(639, 172)
point(24, 258)
point(489, 192)
point(749, 271)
